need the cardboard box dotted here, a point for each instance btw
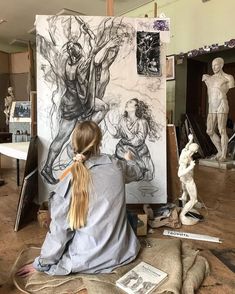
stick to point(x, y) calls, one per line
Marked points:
point(138, 222)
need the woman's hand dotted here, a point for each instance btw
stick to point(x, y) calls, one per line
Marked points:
point(26, 270)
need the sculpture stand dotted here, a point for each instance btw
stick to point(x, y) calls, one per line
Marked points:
point(192, 217)
point(228, 164)
point(188, 221)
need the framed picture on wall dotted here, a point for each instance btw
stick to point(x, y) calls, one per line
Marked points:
point(20, 111)
point(170, 67)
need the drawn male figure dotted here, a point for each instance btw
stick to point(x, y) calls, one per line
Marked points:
point(85, 80)
point(218, 86)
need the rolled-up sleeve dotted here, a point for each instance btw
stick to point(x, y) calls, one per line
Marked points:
point(58, 235)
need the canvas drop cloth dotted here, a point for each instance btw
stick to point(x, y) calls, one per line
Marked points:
point(185, 267)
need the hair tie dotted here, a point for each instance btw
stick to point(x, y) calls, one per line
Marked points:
point(79, 157)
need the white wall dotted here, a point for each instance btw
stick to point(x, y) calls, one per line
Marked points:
point(194, 23)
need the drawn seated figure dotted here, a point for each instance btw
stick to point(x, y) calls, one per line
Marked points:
point(132, 130)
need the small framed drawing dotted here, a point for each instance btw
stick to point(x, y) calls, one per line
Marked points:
point(20, 111)
point(170, 67)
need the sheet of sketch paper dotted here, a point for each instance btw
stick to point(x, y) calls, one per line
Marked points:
point(87, 70)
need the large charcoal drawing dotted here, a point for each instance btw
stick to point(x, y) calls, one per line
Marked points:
point(87, 71)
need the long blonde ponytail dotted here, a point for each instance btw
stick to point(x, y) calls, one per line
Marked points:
point(86, 140)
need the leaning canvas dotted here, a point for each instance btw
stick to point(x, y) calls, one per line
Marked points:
point(110, 70)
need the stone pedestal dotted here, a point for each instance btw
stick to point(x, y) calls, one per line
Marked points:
point(228, 164)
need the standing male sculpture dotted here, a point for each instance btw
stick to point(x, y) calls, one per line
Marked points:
point(218, 85)
point(7, 103)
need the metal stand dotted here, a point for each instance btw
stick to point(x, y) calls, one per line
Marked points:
point(18, 171)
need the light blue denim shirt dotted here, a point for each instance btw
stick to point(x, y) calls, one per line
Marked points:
point(107, 241)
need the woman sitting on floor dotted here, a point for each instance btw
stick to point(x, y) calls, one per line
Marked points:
point(89, 231)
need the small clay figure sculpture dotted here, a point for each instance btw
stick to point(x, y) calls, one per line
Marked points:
point(185, 173)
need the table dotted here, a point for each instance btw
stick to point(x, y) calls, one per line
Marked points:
point(17, 150)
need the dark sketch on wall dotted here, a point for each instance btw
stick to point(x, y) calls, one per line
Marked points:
point(87, 71)
point(148, 53)
point(83, 69)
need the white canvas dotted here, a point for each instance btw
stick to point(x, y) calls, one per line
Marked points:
point(112, 80)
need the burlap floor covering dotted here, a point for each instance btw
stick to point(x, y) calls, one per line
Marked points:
point(185, 267)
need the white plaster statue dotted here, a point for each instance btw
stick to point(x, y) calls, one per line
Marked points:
point(185, 173)
point(8, 102)
point(218, 85)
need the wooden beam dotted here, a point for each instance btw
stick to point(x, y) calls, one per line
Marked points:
point(173, 183)
point(109, 8)
point(155, 9)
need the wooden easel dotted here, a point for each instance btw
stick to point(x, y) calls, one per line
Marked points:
point(155, 10)
point(173, 182)
point(109, 8)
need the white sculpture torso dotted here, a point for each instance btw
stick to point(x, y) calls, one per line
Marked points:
point(218, 86)
point(184, 162)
